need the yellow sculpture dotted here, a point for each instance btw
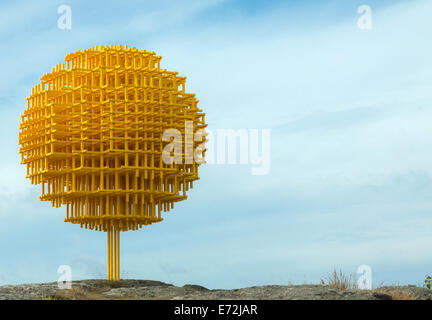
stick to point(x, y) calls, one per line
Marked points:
point(94, 136)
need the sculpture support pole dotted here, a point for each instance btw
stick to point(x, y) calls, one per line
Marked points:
point(109, 255)
point(115, 253)
point(113, 246)
point(118, 255)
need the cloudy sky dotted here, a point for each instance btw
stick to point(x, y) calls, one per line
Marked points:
point(350, 115)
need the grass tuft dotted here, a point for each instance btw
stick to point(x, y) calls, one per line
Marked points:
point(338, 280)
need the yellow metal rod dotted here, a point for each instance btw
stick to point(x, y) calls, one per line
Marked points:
point(108, 254)
point(109, 245)
point(115, 254)
point(118, 254)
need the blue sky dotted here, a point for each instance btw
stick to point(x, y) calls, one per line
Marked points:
point(349, 112)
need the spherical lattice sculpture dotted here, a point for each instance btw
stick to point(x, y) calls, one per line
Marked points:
point(93, 135)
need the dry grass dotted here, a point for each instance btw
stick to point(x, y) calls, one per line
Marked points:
point(396, 293)
point(338, 280)
point(396, 290)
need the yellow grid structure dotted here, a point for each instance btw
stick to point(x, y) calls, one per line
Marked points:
point(91, 135)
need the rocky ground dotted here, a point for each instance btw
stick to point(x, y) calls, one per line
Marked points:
point(97, 289)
